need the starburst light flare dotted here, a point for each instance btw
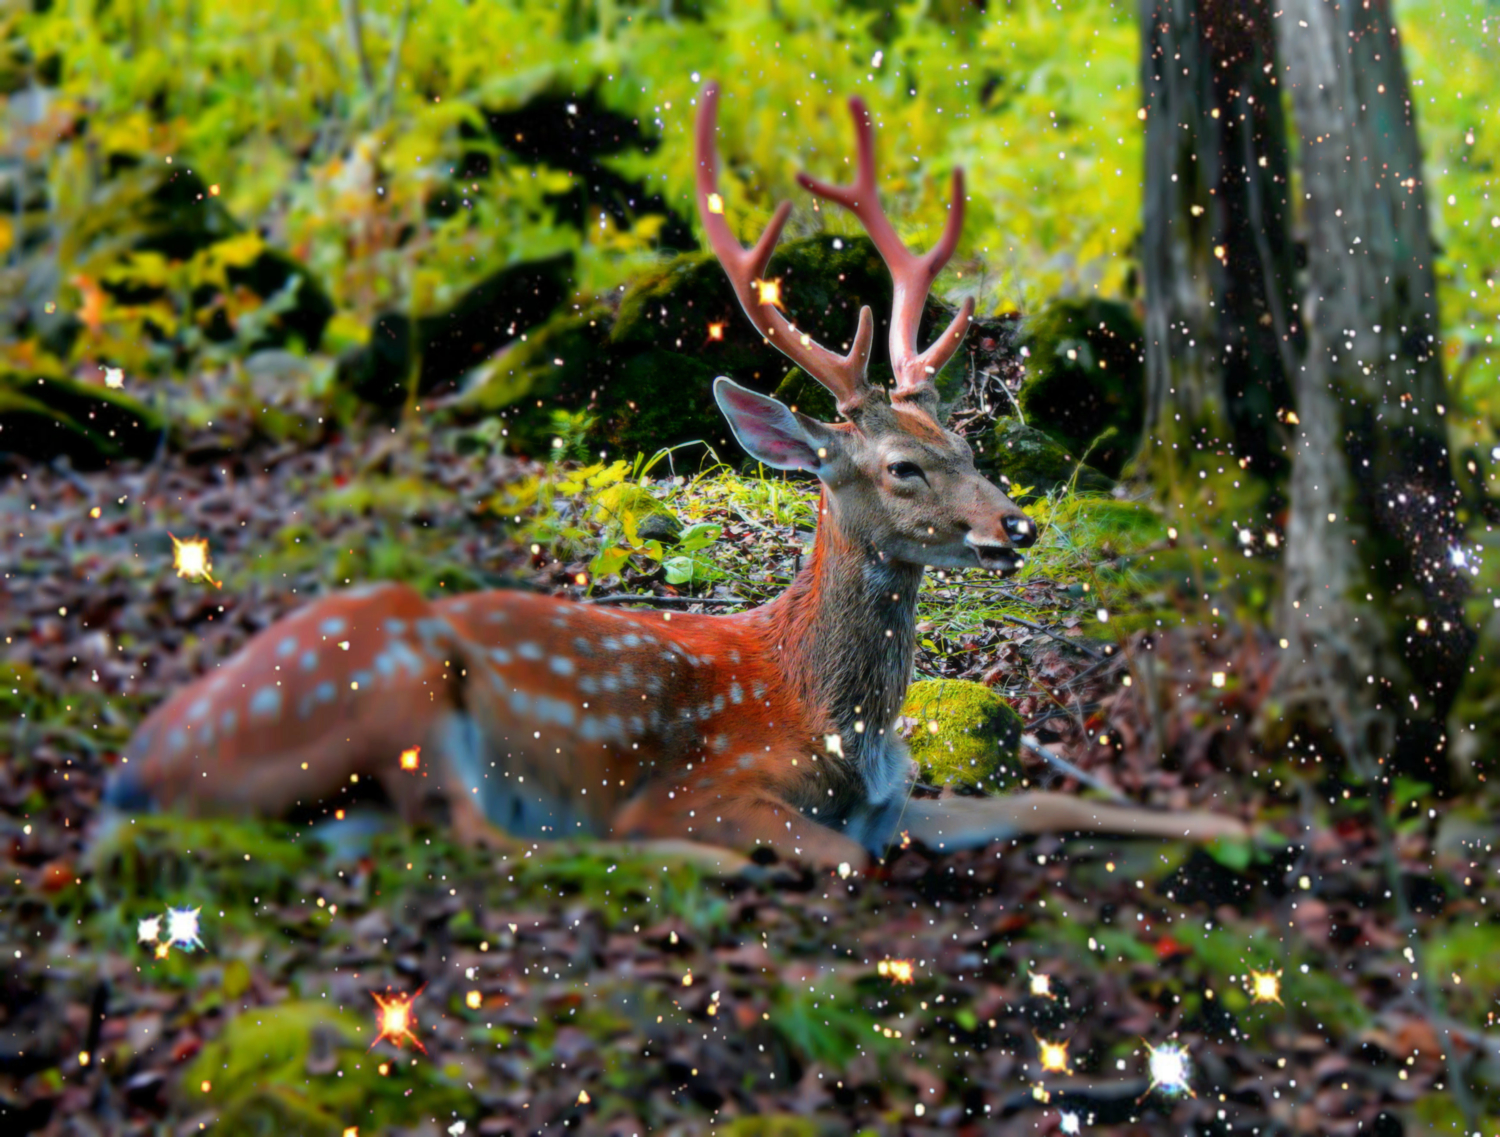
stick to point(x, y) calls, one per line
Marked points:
point(190, 559)
point(1170, 1069)
point(396, 1020)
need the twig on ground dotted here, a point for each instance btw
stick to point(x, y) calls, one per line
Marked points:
point(1096, 656)
point(1063, 766)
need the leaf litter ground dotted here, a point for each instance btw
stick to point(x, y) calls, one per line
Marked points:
point(569, 991)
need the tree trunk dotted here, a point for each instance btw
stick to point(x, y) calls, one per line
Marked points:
point(1221, 333)
point(1372, 602)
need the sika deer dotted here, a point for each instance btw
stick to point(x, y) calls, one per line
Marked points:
point(545, 717)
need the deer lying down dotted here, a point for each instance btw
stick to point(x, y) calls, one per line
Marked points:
point(545, 718)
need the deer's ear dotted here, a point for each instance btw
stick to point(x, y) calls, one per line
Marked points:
point(775, 434)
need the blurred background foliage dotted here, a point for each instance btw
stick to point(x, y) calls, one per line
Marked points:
point(364, 157)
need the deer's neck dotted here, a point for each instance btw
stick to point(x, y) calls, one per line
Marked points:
point(846, 634)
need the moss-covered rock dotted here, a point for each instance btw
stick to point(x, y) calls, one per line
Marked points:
point(446, 345)
point(1085, 379)
point(1019, 456)
point(645, 370)
point(89, 423)
point(303, 1068)
point(962, 733)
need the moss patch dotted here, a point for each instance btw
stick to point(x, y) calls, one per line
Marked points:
point(962, 734)
point(303, 1068)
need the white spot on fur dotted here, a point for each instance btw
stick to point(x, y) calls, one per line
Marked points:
point(266, 704)
point(530, 651)
point(333, 626)
point(561, 665)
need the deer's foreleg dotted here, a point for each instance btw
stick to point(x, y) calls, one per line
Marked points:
point(951, 823)
point(737, 822)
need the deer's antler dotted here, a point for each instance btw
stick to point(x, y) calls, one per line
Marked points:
point(912, 275)
point(843, 375)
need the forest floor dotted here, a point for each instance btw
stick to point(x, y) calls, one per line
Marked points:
point(571, 992)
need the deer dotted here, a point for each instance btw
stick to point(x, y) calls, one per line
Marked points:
point(537, 717)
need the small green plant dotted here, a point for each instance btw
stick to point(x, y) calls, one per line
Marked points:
point(687, 567)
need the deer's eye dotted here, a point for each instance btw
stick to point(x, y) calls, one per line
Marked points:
point(905, 470)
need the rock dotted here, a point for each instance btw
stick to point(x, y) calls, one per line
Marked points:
point(90, 424)
point(452, 343)
point(976, 739)
point(645, 370)
point(1017, 456)
point(1085, 380)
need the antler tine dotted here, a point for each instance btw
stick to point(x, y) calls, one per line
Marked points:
point(842, 375)
point(912, 275)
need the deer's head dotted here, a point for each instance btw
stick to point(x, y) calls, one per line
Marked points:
point(897, 480)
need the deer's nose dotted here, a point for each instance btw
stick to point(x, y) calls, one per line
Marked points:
point(1021, 531)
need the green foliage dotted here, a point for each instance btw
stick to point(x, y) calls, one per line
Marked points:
point(177, 134)
point(1449, 52)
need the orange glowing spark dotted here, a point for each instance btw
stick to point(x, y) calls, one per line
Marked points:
point(716, 330)
point(768, 291)
point(190, 559)
point(905, 839)
point(1053, 1056)
point(715, 203)
point(1265, 987)
point(410, 757)
point(896, 970)
point(396, 1020)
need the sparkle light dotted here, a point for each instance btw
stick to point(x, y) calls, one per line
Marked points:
point(1069, 1122)
point(768, 291)
point(896, 970)
point(182, 928)
point(716, 330)
point(715, 203)
point(1170, 1069)
point(148, 931)
point(190, 559)
point(114, 377)
point(1053, 1056)
point(1265, 987)
point(396, 1020)
point(1041, 984)
point(410, 757)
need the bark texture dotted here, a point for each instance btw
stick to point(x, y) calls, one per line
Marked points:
point(1372, 597)
point(1221, 335)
